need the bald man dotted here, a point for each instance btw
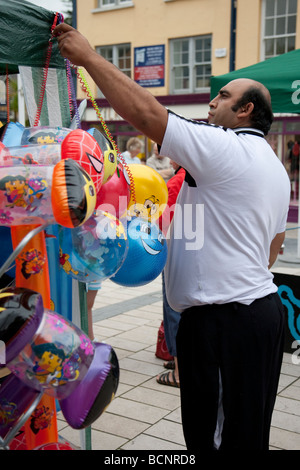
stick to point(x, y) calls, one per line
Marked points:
point(226, 232)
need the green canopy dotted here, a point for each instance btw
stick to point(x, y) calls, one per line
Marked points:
point(281, 75)
point(25, 30)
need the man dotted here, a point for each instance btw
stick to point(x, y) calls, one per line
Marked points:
point(161, 164)
point(226, 232)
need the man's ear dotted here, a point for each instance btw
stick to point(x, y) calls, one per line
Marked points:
point(246, 110)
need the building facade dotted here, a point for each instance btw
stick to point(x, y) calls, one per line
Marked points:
point(173, 47)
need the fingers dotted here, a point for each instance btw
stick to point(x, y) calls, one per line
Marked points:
point(62, 28)
point(72, 44)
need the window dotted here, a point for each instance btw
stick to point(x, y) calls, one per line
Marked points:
point(190, 64)
point(110, 4)
point(119, 55)
point(279, 27)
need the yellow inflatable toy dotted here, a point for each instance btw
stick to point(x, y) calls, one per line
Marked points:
point(150, 194)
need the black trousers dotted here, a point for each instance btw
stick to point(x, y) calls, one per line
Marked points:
point(245, 345)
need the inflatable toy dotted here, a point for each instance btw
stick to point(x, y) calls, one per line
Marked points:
point(11, 133)
point(146, 257)
point(32, 273)
point(151, 193)
point(70, 206)
point(63, 193)
point(43, 135)
point(96, 390)
point(82, 147)
point(39, 188)
point(114, 196)
point(110, 155)
point(52, 357)
point(94, 251)
point(21, 312)
point(15, 399)
point(14, 134)
point(56, 358)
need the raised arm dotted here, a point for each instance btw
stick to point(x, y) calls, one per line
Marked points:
point(134, 103)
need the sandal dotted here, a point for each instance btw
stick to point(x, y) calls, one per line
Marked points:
point(163, 379)
point(169, 365)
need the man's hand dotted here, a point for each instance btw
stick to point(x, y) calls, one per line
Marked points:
point(73, 45)
point(134, 103)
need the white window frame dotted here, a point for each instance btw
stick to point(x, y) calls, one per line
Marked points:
point(115, 59)
point(285, 36)
point(192, 66)
point(114, 5)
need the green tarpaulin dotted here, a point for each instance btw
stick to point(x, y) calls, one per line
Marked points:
point(25, 30)
point(281, 75)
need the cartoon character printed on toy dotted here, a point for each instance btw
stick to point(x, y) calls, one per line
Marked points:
point(36, 189)
point(22, 192)
point(65, 263)
point(15, 190)
point(40, 419)
point(32, 262)
point(50, 368)
point(148, 209)
point(8, 412)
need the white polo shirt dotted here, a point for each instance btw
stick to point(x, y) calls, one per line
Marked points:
point(233, 202)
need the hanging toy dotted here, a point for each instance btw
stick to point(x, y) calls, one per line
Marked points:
point(109, 152)
point(94, 251)
point(146, 257)
point(151, 193)
point(83, 148)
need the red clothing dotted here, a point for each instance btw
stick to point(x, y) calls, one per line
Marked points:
point(174, 185)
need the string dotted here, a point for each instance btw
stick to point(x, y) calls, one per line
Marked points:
point(7, 96)
point(71, 93)
point(45, 75)
point(86, 89)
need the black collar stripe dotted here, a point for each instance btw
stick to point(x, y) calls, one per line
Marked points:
point(240, 130)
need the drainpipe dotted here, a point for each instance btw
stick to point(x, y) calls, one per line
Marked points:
point(232, 35)
point(74, 15)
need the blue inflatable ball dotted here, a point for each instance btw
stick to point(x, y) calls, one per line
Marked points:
point(11, 134)
point(95, 250)
point(146, 257)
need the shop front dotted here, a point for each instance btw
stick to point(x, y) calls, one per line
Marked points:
point(284, 138)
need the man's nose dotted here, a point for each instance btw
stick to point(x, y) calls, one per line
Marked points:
point(213, 103)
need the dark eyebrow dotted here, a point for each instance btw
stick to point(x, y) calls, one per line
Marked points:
point(223, 92)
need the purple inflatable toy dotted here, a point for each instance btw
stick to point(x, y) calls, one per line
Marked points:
point(96, 390)
point(21, 312)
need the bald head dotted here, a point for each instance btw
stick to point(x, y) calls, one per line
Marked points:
point(247, 83)
point(252, 91)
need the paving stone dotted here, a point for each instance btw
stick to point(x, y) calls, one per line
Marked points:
point(134, 410)
point(120, 426)
point(139, 366)
point(286, 421)
point(168, 431)
point(144, 442)
point(283, 439)
point(153, 397)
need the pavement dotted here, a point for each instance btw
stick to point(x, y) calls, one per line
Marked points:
point(145, 415)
